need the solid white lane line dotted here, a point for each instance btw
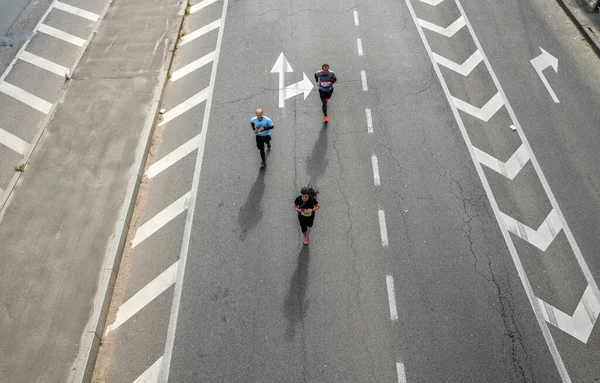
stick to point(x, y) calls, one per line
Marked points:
point(200, 5)
point(44, 64)
point(493, 203)
point(359, 44)
point(13, 142)
point(25, 97)
point(369, 120)
point(187, 232)
point(363, 79)
point(356, 18)
point(61, 35)
point(151, 374)
point(376, 179)
point(184, 106)
point(179, 73)
point(76, 11)
point(392, 297)
point(161, 219)
point(401, 373)
point(171, 158)
point(199, 32)
point(146, 295)
point(383, 228)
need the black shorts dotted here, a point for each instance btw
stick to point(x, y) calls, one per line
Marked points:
point(306, 222)
point(325, 95)
point(260, 141)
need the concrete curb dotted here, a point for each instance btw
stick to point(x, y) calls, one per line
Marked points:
point(582, 20)
point(83, 367)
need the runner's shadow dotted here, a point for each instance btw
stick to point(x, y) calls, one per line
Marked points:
point(317, 162)
point(294, 306)
point(251, 213)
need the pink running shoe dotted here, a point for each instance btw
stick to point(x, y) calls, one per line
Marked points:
point(305, 240)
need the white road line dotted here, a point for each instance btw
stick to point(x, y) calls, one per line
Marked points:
point(456, 26)
point(189, 68)
point(184, 106)
point(465, 68)
point(359, 44)
point(151, 374)
point(171, 158)
point(493, 203)
point(356, 23)
point(200, 5)
point(61, 35)
point(161, 219)
point(13, 142)
point(25, 97)
point(76, 11)
point(508, 169)
point(363, 79)
point(146, 295)
point(540, 238)
point(431, 2)
point(199, 32)
point(369, 121)
point(485, 112)
point(401, 373)
point(44, 64)
point(376, 179)
point(392, 297)
point(383, 229)
point(187, 232)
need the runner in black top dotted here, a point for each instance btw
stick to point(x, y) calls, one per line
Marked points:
point(306, 205)
point(325, 80)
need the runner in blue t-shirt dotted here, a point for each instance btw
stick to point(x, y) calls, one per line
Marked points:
point(261, 126)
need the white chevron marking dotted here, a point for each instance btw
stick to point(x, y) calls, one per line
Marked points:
point(486, 112)
point(449, 31)
point(540, 238)
point(581, 323)
point(508, 169)
point(465, 68)
point(431, 2)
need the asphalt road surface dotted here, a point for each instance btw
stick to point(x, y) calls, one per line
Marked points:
point(457, 233)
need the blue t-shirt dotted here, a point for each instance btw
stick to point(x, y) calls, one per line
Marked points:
point(264, 123)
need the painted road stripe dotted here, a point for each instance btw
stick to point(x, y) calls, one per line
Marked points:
point(540, 238)
point(25, 97)
point(146, 295)
point(369, 120)
point(359, 44)
point(401, 373)
point(456, 26)
point(485, 112)
point(161, 219)
point(383, 228)
point(465, 68)
point(184, 106)
point(171, 158)
point(200, 5)
point(151, 374)
point(76, 11)
point(376, 179)
point(13, 142)
point(431, 2)
point(508, 169)
point(44, 64)
point(392, 297)
point(356, 23)
point(199, 32)
point(363, 79)
point(179, 73)
point(61, 35)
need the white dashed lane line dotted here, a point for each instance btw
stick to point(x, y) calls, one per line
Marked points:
point(391, 297)
point(356, 23)
point(375, 165)
point(369, 121)
point(400, 372)
point(363, 80)
point(359, 45)
point(383, 229)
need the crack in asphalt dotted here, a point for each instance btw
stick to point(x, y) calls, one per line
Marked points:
point(428, 84)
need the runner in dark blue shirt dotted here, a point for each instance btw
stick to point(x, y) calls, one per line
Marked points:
point(325, 80)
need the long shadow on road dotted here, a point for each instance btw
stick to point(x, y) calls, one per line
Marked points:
point(294, 305)
point(317, 162)
point(251, 213)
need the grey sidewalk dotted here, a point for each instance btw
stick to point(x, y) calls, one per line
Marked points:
point(588, 23)
point(67, 218)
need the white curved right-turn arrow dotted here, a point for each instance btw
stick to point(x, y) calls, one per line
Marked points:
point(542, 62)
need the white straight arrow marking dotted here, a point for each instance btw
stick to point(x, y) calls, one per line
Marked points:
point(508, 169)
point(449, 31)
point(281, 66)
point(146, 295)
point(486, 112)
point(581, 323)
point(465, 68)
point(542, 62)
point(540, 238)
